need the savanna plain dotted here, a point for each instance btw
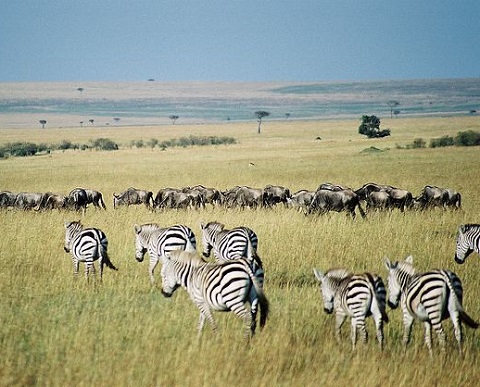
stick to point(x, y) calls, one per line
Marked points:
point(56, 331)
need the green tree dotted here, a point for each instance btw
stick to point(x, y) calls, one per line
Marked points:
point(370, 127)
point(393, 104)
point(260, 115)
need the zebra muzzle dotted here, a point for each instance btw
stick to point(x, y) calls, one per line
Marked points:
point(167, 295)
point(67, 250)
point(328, 310)
point(459, 261)
point(392, 305)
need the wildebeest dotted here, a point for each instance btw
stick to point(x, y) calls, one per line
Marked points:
point(52, 201)
point(210, 195)
point(400, 198)
point(326, 200)
point(133, 196)
point(301, 200)
point(96, 198)
point(274, 194)
point(28, 200)
point(433, 196)
point(243, 196)
point(7, 199)
point(77, 199)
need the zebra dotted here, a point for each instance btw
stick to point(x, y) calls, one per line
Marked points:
point(468, 240)
point(429, 297)
point(86, 245)
point(226, 286)
point(158, 241)
point(354, 295)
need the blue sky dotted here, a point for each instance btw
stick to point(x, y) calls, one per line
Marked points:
point(230, 40)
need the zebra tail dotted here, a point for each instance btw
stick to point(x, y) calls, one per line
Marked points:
point(107, 262)
point(262, 299)
point(470, 322)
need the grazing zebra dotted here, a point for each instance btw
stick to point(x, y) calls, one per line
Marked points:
point(354, 295)
point(468, 240)
point(430, 297)
point(227, 286)
point(158, 241)
point(86, 245)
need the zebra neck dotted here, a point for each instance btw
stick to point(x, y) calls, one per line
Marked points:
point(404, 279)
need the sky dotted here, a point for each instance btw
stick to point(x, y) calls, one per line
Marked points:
point(230, 40)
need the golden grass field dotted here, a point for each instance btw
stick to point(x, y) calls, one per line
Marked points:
point(56, 331)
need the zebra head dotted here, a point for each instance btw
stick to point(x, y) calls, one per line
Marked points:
point(399, 275)
point(141, 243)
point(464, 246)
point(209, 232)
point(328, 286)
point(71, 230)
point(170, 273)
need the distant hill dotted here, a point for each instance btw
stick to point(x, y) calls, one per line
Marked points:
point(152, 102)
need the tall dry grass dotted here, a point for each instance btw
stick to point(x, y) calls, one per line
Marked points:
point(57, 331)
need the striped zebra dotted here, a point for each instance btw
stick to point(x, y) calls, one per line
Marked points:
point(239, 242)
point(227, 286)
point(429, 297)
point(354, 295)
point(86, 245)
point(158, 241)
point(468, 240)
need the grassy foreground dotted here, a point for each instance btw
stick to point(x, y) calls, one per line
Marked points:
point(55, 331)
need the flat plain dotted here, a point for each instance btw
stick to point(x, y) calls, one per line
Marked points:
point(57, 331)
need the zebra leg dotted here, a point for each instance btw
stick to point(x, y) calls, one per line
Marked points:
point(101, 269)
point(205, 313)
point(76, 265)
point(457, 326)
point(151, 269)
point(437, 325)
point(339, 320)
point(407, 323)
point(241, 311)
point(379, 327)
point(428, 337)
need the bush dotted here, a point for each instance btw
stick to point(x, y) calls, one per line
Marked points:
point(419, 143)
point(370, 127)
point(21, 149)
point(441, 142)
point(468, 138)
point(104, 144)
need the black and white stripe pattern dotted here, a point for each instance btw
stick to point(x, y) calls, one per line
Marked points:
point(468, 241)
point(356, 296)
point(429, 297)
point(227, 286)
point(159, 241)
point(86, 245)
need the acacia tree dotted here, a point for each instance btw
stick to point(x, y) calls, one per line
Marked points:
point(260, 115)
point(173, 117)
point(43, 123)
point(370, 127)
point(393, 104)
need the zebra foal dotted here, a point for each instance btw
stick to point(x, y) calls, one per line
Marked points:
point(429, 297)
point(227, 286)
point(354, 295)
point(468, 241)
point(159, 241)
point(86, 245)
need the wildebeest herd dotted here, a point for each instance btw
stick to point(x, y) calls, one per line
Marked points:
point(327, 197)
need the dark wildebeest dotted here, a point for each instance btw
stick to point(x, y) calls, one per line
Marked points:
point(77, 199)
point(274, 194)
point(433, 196)
point(400, 198)
point(133, 196)
point(96, 198)
point(379, 200)
point(7, 199)
point(243, 196)
point(326, 200)
point(333, 187)
point(301, 200)
point(52, 201)
point(163, 197)
point(28, 200)
point(209, 195)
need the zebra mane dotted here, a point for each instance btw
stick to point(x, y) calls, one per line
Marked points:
point(148, 227)
point(338, 274)
point(221, 226)
point(468, 226)
point(190, 257)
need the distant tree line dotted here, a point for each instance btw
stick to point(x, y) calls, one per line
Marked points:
point(466, 138)
point(23, 149)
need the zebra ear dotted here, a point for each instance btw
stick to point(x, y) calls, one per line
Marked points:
point(409, 259)
point(137, 229)
point(318, 274)
point(202, 225)
point(389, 265)
point(462, 229)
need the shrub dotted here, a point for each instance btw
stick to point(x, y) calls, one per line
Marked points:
point(441, 142)
point(419, 143)
point(468, 138)
point(370, 127)
point(104, 144)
